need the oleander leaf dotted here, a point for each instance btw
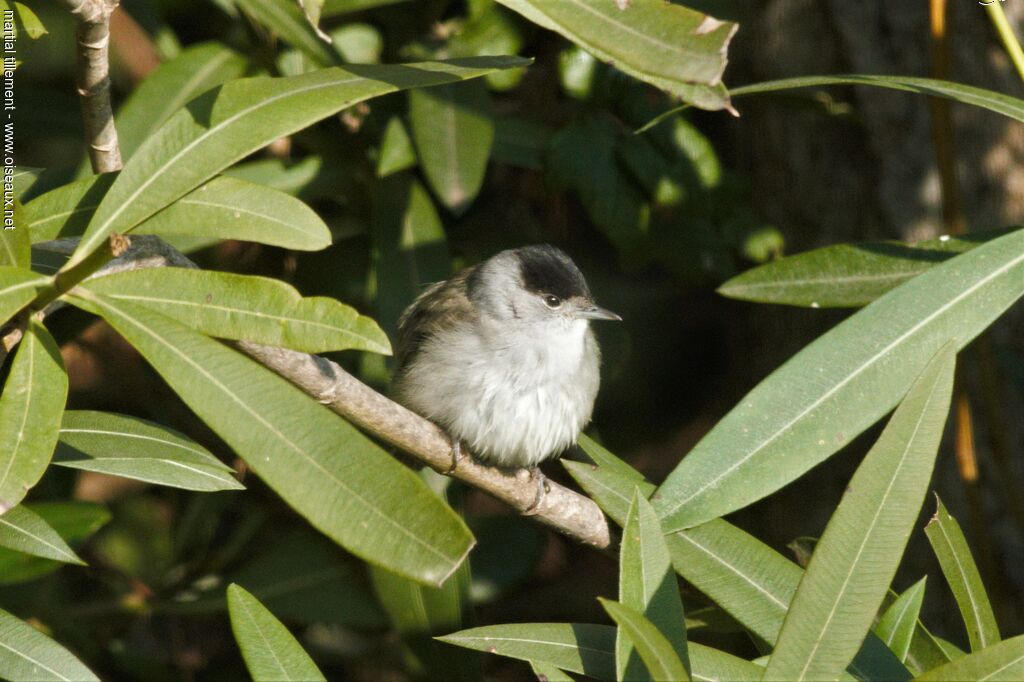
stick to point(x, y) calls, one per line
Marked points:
point(656, 652)
point(453, 128)
point(18, 286)
point(647, 586)
point(28, 654)
point(857, 555)
point(1000, 662)
point(898, 624)
point(130, 447)
point(330, 473)
point(396, 152)
point(15, 242)
point(235, 119)
point(840, 384)
point(223, 208)
point(286, 19)
point(170, 86)
point(957, 563)
point(241, 307)
point(269, 650)
point(24, 531)
point(846, 275)
point(30, 410)
point(675, 48)
point(72, 521)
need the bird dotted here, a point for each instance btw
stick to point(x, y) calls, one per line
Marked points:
point(501, 355)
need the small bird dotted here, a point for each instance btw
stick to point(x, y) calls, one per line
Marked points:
point(501, 355)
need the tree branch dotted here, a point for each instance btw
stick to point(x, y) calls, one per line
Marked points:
point(572, 514)
point(93, 80)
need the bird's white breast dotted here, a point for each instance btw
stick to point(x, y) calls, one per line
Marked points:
point(515, 397)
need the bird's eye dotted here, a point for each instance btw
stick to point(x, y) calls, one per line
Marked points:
point(552, 301)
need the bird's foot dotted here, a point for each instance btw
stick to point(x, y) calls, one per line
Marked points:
point(542, 480)
point(456, 455)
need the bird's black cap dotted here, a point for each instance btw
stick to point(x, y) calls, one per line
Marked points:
point(546, 269)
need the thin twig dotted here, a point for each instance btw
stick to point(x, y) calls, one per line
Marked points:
point(93, 80)
point(1006, 34)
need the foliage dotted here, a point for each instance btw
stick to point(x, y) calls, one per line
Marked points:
point(357, 146)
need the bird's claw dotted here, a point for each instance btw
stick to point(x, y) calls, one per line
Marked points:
point(456, 455)
point(542, 480)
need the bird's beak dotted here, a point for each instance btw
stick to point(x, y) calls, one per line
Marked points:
point(598, 313)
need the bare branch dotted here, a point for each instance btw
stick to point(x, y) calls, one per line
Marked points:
point(325, 381)
point(93, 80)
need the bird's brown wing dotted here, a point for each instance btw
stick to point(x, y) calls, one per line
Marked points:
point(440, 307)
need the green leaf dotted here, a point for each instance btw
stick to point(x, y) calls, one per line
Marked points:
point(453, 127)
point(748, 579)
point(30, 408)
point(846, 275)
point(396, 152)
point(134, 448)
point(954, 555)
point(674, 48)
point(233, 120)
point(655, 650)
point(840, 384)
point(897, 625)
point(548, 673)
point(223, 208)
point(857, 555)
point(606, 460)
point(647, 586)
point(170, 86)
point(574, 647)
point(1001, 662)
point(22, 530)
point(28, 654)
point(72, 521)
point(331, 474)
point(418, 612)
point(409, 251)
point(15, 244)
point(17, 287)
point(241, 307)
point(27, 20)
point(269, 650)
point(333, 8)
point(966, 94)
point(286, 19)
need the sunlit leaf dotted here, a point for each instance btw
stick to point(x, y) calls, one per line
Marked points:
point(270, 651)
point(119, 445)
point(857, 555)
point(897, 625)
point(22, 530)
point(840, 384)
point(1000, 662)
point(656, 652)
point(954, 555)
point(74, 522)
point(28, 654)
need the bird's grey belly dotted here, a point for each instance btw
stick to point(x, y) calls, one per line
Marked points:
point(507, 414)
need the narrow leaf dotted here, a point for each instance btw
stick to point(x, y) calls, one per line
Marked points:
point(1012, 107)
point(134, 448)
point(223, 208)
point(240, 307)
point(30, 408)
point(1000, 662)
point(269, 650)
point(285, 18)
point(655, 650)
point(17, 287)
point(28, 654)
point(897, 625)
point(15, 243)
point(453, 127)
point(22, 530)
point(840, 384)
point(324, 468)
point(606, 460)
point(846, 275)
point(954, 555)
point(747, 578)
point(675, 48)
point(72, 521)
point(648, 586)
point(857, 555)
point(396, 152)
point(170, 86)
point(573, 647)
point(546, 672)
point(235, 119)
